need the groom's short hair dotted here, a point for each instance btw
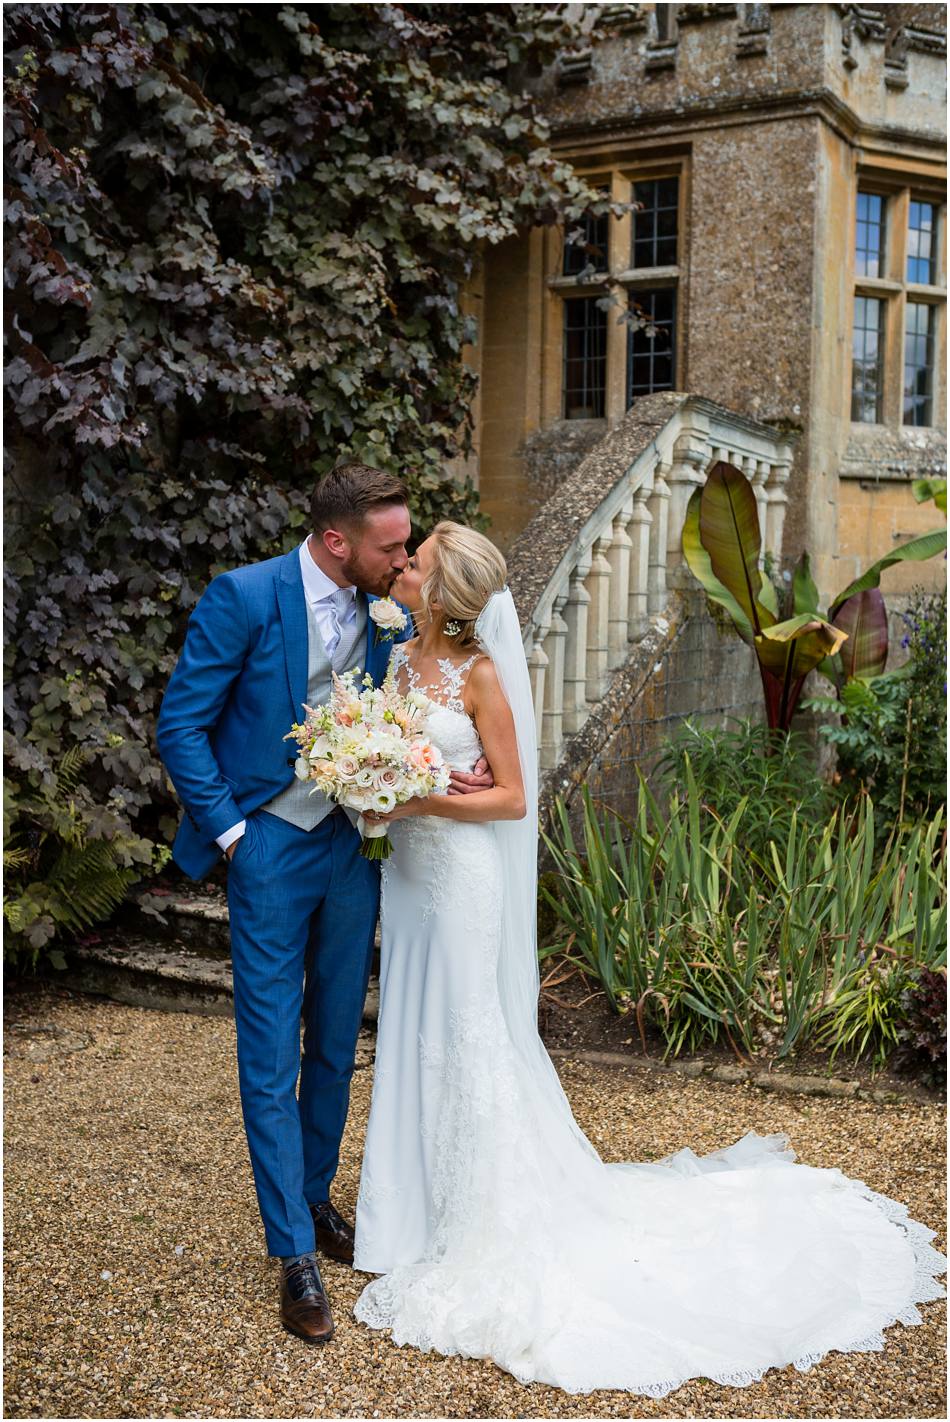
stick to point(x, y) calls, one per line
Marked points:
point(349, 491)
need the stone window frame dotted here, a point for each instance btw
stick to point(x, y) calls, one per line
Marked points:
point(895, 291)
point(621, 279)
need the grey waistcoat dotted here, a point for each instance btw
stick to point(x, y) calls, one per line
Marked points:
point(296, 804)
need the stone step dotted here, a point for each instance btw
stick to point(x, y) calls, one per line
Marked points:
point(160, 973)
point(195, 917)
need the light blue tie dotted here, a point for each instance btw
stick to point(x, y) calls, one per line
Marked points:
point(340, 602)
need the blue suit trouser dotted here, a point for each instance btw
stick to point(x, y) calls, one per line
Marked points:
point(303, 907)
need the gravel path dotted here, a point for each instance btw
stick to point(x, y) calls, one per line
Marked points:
point(137, 1284)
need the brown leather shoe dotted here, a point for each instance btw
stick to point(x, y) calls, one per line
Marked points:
point(304, 1309)
point(334, 1236)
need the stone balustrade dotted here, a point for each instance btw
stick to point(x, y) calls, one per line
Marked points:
point(595, 567)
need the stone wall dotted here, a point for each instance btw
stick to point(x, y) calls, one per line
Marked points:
point(772, 114)
point(688, 665)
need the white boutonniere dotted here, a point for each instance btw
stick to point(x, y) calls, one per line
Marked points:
point(388, 617)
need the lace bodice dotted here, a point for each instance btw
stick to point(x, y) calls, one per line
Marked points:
point(448, 723)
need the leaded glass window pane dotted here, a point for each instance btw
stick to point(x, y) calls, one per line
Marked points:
point(921, 247)
point(656, 222)
point(593, 250)
point(651, 360)
point(585, 359)
point(867, 361)
point(918, 363)
point(869, 236)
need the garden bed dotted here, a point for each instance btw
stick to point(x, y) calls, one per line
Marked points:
point(575, 1016)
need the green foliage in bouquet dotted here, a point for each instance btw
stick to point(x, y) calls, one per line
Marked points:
point(237, 240)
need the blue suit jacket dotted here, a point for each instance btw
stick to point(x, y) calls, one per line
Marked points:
point(239, 685)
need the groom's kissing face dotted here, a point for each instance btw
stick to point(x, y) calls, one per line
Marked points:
point(375, 549)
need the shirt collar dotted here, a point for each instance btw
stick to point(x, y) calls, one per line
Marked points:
point(316, 585)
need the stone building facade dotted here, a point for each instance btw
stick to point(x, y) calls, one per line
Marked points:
point(789, 164)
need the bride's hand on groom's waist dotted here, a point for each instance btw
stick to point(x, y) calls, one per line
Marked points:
point(481, 778)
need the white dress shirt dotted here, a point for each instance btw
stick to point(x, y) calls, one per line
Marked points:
point(318, 589)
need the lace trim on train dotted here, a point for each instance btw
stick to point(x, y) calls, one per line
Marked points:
point(380, 1303)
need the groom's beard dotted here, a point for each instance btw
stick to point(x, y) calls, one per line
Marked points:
point(355, 571)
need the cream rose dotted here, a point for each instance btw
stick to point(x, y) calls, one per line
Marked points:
point(388, 615)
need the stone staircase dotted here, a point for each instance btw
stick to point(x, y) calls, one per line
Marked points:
point(618, 637)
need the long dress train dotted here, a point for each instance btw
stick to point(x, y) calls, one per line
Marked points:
point(497, 1230)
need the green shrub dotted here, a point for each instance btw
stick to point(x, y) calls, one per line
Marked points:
point(891, 738)
point(776, 775)
point(811, 941)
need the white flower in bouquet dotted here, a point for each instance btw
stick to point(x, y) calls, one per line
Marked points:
point(368, 750)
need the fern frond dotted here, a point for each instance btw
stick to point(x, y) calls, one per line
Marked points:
point(17, 858)
point(69, 770)
point(13, 913)
point(88, 883)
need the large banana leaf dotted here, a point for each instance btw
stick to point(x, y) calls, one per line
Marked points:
point(928, 545)
point(729, 531)
point(935, 489)
point(864, 618)
point(806, 639)
point(804, 590)
point(787, 652)
point(721, 544)
point(700, 566)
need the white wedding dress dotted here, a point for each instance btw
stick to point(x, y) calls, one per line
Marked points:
point(497, 1230)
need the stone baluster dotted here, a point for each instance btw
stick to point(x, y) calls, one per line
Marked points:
point(552, 721)
point(659, 508)
point(537, 670)
point(575, 650)
point(688, 472)
point(618, 556)
point(598, 619)
point(778, 499)
point(641, 521)
point(757, 472)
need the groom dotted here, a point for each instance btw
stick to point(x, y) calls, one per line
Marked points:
point(302, 901)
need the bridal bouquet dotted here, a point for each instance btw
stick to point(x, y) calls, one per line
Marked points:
point(367, 749)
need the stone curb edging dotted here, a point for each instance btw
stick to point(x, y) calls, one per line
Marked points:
point(736, 1075)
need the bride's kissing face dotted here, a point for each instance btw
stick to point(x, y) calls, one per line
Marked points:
point(407, 588)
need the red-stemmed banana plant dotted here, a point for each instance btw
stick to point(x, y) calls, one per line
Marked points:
point(722, 543)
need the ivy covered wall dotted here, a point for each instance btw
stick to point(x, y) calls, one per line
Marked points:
point(236, 242)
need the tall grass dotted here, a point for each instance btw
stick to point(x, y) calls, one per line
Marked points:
point(804, 938)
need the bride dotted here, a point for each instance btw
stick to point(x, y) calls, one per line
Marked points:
point(495, 1227)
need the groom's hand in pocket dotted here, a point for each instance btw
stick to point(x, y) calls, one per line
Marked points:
point(463, 783)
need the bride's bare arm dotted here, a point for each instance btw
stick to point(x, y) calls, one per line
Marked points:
point(496, 730)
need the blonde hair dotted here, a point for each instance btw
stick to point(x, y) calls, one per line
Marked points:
point(467, 569)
